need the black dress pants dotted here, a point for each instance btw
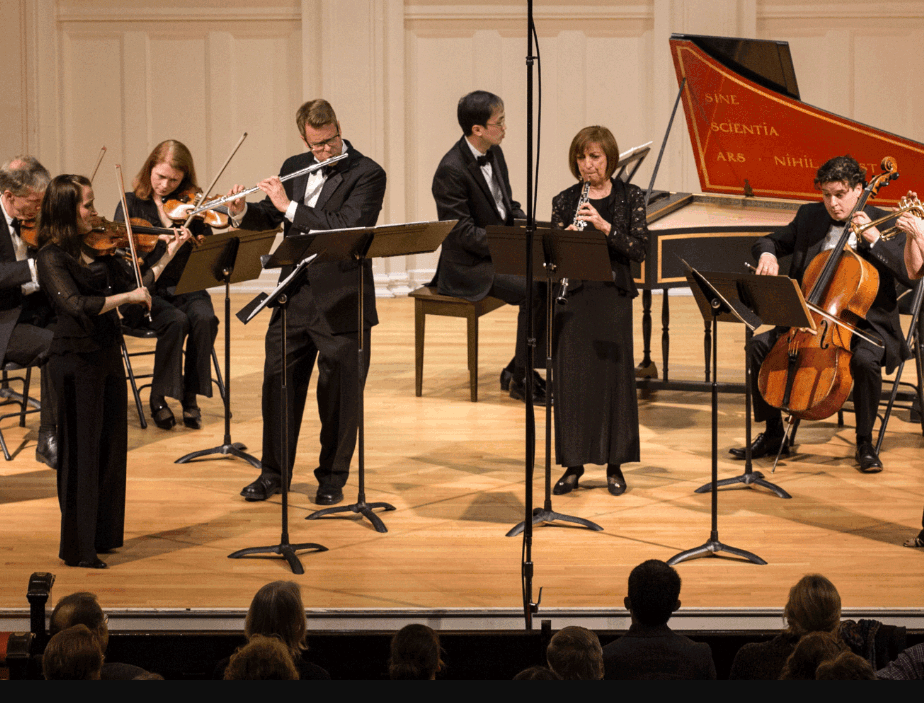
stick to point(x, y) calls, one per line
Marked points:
point(308, 339)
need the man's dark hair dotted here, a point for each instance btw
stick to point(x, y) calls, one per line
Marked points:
point(477, 108)
point(80, 608)
point(73, 654)
point(841, 168)
point(654, 588)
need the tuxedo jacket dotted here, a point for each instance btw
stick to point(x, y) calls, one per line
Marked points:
point(657, 652)
point(13, 274)
point(462, 193)
point(351, 197)
point(802, 239)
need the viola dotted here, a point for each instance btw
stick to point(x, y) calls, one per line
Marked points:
point(184, 203)
point(107, 236)
point(807, 373)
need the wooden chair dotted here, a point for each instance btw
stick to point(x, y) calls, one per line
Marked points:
point(428, 302)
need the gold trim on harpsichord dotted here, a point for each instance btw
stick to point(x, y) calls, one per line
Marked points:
point(682, 48)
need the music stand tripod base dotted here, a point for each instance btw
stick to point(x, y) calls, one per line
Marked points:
point(748, 478)
point(713, 546)
point(233, 449)
point(543, 516)
point(285, 550)
point(360, 507)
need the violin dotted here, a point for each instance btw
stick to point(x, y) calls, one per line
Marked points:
point(106, 236)
point(807, 373)
point(184, 203)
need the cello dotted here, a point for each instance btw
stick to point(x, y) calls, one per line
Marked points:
point(807, 372)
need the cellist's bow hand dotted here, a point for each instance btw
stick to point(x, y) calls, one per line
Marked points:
point(871, 234)
point(767, 265)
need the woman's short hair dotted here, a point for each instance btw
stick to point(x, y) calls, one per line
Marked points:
point(176, 155)
point(593, 135)
point(813, 649)
point(262, 659)
point(415, 654)
point(276, 610)
point(814, 605)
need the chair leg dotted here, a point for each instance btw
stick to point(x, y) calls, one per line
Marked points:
point(25, 397)
point(473, 355)
point(131, 378)
point(420, 323)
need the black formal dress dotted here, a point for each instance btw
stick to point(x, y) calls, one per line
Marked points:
point(465, 269)
point(86, 369)
point(803, 239)
point(322, 317)
point(596, 406)
point(188, 317)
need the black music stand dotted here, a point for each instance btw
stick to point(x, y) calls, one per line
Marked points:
point(280, 298)
point(775, 300)
point(374, 243)
point(713, 304)
point(558, 254)
point(228, 257)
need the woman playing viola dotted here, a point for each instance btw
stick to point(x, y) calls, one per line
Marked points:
point(86, 368)
point(596, 408)
point(168, 171)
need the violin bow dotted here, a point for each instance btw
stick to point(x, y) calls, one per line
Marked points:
point(102, 153)
point(131, 239)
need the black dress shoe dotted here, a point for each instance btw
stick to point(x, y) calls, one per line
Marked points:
point(162, 415)
point(46, 451)
point(518, 391)
point(328, 496)
point(762, 446)
point(95, 563)
point(192, 417)
point(261, 489)
point(569, 481)
point(615, 481)
point(868, 459)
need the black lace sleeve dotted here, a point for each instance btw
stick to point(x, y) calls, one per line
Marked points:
point(563, 207)
point(629, 233)
point(59, 275)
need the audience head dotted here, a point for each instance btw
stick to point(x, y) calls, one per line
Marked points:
point(277, 611)
point(813, 649)
point(537, 673)
point(262, 659)
point(846, 666)
point(575, 653)
point(654, 592)
point(81, 608)
point(415, 654)
point(73, 654)
point(814, 606)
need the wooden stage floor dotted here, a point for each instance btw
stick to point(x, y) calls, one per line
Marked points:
point(453, 469)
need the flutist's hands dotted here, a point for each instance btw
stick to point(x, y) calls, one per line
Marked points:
point(236, 206)
point(273, 188)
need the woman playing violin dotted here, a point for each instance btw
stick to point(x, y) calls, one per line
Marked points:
point(86, 368)
point(596, 407)
point(168, 171)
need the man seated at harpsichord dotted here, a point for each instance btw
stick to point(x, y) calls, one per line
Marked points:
point(817, 228)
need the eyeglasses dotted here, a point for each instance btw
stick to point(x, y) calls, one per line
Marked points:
point(500, 123)
point(327, 143)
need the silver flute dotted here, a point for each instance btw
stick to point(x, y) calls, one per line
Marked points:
point(579, 225)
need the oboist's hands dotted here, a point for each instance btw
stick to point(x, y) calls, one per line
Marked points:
point(271, 186)
point(588, 213)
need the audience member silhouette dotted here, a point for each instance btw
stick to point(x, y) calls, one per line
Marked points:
point(574, 653)
point(415, 654)
point(73, 654)
point(650, 649)
point(813, 649)
point(262, 659)
point(814, 605)
point(846, 666)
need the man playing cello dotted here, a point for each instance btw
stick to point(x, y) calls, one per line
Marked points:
point(816, 228)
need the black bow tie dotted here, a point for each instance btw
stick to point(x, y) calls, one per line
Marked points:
point(16, 226)
point(486, 159)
